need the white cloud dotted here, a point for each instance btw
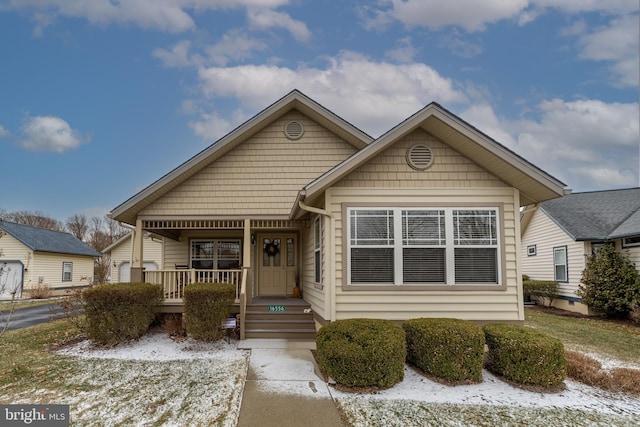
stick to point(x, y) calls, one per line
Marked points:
point(49, 133)
point(164, 15)
point(3, 131)
point(178, 55)
point(617, 43)
point(471, 15)
point(372, 95)
point(264, 19)
point(403, 52)
point(234, 46)
point(588, 144)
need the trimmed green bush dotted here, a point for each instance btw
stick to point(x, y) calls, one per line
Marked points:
point(119, 312)
point(451, 349)
point(206, 305)
point(525, 355)
point(544, 290)
point(362, 352)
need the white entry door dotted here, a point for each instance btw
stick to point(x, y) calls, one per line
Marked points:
point(11, 275)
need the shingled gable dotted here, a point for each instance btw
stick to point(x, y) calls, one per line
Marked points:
point(44, 240)
point(534, 184)
point(295, 100)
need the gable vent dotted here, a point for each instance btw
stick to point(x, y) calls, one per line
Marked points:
point(293, 130)
point(420, 157)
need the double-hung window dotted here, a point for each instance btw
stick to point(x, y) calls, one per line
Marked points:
point(317, 252)
point(422, 246)
point(560, 264)
point(67, 271)
point(215, 254)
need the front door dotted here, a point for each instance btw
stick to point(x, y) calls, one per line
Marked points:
point(277, 264)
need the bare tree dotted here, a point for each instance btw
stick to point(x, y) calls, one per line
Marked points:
point(78, 225)
point(102, 233)
point(34, 219)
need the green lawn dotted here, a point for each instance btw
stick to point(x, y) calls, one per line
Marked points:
point(616, 340)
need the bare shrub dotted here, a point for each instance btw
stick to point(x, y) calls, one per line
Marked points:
point(626, 380)
point(40, 291)
point(173, 325)
point(589, 371)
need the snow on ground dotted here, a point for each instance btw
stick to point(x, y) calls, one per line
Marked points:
point(171, 381)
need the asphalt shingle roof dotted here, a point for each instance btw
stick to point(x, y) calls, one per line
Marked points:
point(43, 240)
point(597, 215)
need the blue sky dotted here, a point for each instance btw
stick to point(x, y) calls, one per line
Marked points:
point(100, 98)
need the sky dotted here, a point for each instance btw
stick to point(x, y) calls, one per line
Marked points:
point(100, 98)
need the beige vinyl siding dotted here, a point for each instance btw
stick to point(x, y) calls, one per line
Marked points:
point(449, 169)
point(313, 294)
point(152, 253)
point(546, 235)
point(501, 303)
point(260, 177)
point(49, 266)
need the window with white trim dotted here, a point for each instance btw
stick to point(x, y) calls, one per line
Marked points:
point(215, 254)
point(317, 250)
point(560, 264)
point(420, 246)
point(67, 271)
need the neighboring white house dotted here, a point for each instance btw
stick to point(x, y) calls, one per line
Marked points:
point(559, 234)
point(121, 254)
point(420, 222)
point(31, 257)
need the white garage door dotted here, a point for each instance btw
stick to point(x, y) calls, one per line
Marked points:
point(125, 270)
point(10, 279)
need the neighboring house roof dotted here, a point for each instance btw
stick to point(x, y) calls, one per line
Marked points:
point(534, 184)
point(44, 240)
point(295, 100)
point(597, 215)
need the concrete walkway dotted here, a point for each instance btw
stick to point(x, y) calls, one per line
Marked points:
point(282, 387)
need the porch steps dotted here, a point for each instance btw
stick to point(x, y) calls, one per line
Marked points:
point(291, 323)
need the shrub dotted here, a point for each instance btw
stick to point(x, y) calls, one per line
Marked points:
point(545, 291)
point(119, 312)
point(451, 349)
point(40, 291)
point(524, 355)
point(362, 352)
point(206, 305)
point(589, 371)
point(609, 282)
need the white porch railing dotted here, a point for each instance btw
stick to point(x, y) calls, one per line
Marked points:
point(174, 281)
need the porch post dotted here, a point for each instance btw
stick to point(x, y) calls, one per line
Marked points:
point(246, 250)
point(137, 258)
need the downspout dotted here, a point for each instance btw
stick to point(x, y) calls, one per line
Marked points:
point(332, 250)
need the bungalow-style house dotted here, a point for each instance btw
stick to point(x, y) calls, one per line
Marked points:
point(420, 222)
point(120, 254)
point(559, 234)
point(32, 257)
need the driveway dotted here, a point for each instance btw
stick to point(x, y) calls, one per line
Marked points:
point(25, 317)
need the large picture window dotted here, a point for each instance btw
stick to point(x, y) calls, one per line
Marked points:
point(423, 246)
point(214, 254)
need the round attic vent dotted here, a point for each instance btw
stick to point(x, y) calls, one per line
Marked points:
point(420, 157)
point(293, 130)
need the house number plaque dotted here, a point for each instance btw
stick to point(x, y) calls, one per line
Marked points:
point(276, 308)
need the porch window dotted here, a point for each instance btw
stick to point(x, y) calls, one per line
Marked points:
point(560, 264)
point(67, 271)
point(423, 246)
point(317, 252)
point(215, 254)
